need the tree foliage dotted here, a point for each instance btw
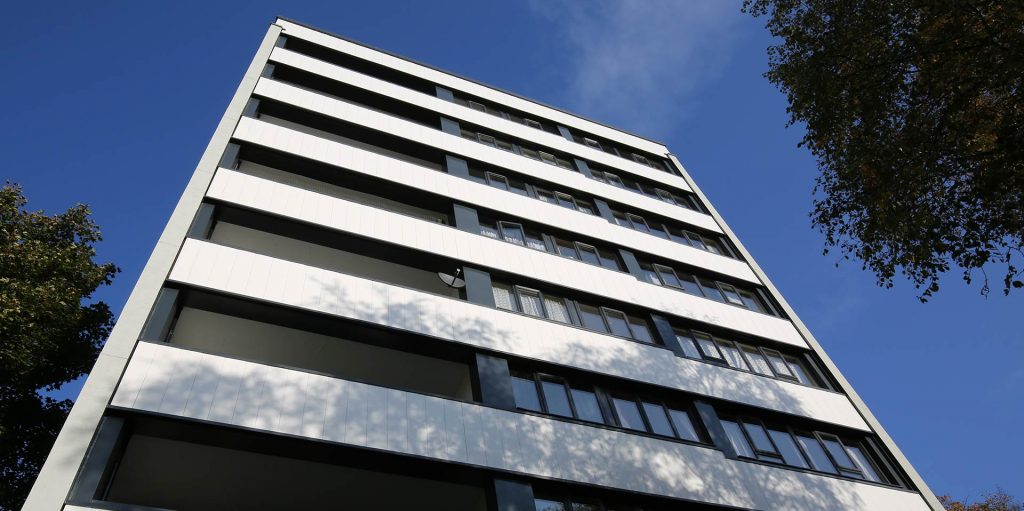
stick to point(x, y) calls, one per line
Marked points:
point(49, 335)
point(998, 501)
point(914, 112)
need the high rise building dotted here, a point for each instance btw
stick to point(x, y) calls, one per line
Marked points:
point(389, 287)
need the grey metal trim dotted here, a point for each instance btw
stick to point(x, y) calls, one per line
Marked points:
point(203, 223)
point(450, 127)
point(444, 93)
point(584, 168)
point(632, 265)
point(478, 287)
point(830, 366)
point(466, 219)
point(604, 210)
point(456, 166)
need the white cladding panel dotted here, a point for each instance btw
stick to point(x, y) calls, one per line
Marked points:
point(470, 87)
point(471, 192)
point(168, 380)
point(339, 214)
point(460, 112)
point(357, 114)
point(212, 266)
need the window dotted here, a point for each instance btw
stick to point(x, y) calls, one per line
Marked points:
point(690, 285)
point(628, 414)
point(584, 207)
point(658, 419)
point(591, 318)
point(787, 448)
point(838, 454)
point(556, 398)
point(778, 364)
point(535, 240)
point(503, 297)
point(641, 332)
point(477, 106)
point(759, 439)
point(864, 463)
point(799, 371)
point(592, 143)
point(548, 505)
point(530, 301)
point(736, 438)
point(710, 290)
point(529, 153)
point(566, 201)
point(640, 159)
point(689, 349)
point(684, 425)
point(512, 233)
point(547, 158)
point(588, 254)
point(586, 405)
point(609, 259)
point(649, 274)
point(525, 393)
point(815, 453)
point(757, 361)
point(665, 196)
point(752, 302)
point(732, 355)
point(488, 230)
point(486, 140)
point(504, 146)
point(638, 223)
point(617, 322)
point(546, 196)
point(708, 348)
point(668, 276)
point(696, 241)
point(556, 309)
point(731, 296)
point(566, 249)
point(614, 180)
point(565, 164)
point(533, 124)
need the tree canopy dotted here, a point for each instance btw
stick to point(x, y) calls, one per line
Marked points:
point(49, 335)
point(914, 113)
point(997, 501)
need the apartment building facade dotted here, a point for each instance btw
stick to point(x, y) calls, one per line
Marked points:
point(390, 287)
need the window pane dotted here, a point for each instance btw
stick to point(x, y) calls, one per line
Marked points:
point(713, 246)
point(650, 276)
point(533, 124)
point(534, 241)
point(684, 425)
point(731, 295)
point(736, 438)
point(565, 201)
point(759, 437)
point(529, 300)
point(591, 318)
point(707, 346)
point(589, 254)
point(566, 249)
point(638, 223)
point(864, 463)
point(665, 196)
point(710, 290)
point(751, 301)
point(617, 322)
point(658, 419)
point(486, 139)
point(799, 371)
point(497, 180)
point(489, 231)
point(757, 360)
point(585, 207)
point(613, 180)
point(547, 158)
point(548, 505)
point(512, 233)
point(687, 343)
point(586, 406)
point(565, 164)
point(477, 106)
point(556, 309)
point(629, 414)
point(525, 392)
point(518, 187)
point(580, 506)
point(732, 355)
point(529, 153)
point(695, 240)
point(819, 460)
point(592, 143)
point(668, 277)
point(838, 452)
point(659, 230)
point(503, 145)
point(503, 297)
point(641, 332)
point(609, 260)
point(622, 220)
point(546, 196)
point(778, 364)
point(556, 398)
point(787, 447)
point(690, 284)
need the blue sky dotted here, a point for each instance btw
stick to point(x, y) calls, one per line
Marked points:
point(111, 104)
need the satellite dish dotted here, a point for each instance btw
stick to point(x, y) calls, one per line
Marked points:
point(453, 281)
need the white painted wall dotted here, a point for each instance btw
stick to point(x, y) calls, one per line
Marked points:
point(228, 270)
point(470, 87)
point(455, 144)
point(369, 222)
point(206, 387)
point(617, 164)
point(473, 193)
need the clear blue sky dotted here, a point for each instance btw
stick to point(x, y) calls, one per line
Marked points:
point(111, 104)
